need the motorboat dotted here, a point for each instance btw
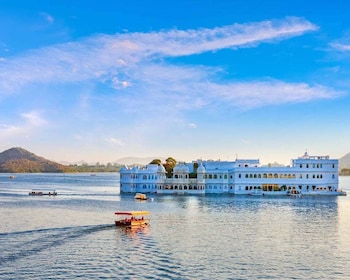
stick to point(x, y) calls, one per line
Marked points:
point(256, 192)
point(294, 193)
point(43, 192)
point(132, 219)
point(140, 196)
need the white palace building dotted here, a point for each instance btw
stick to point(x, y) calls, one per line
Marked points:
point(309, 175)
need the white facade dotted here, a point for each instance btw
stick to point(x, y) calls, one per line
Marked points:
point(308, 174)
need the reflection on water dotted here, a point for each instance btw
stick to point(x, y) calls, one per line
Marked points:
point(190, 237)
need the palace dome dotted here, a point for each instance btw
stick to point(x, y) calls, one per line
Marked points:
point(181, 168)
point(161, 168)
point(201, 169)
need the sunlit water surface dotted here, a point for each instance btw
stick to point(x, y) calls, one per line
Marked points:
point(72, 235)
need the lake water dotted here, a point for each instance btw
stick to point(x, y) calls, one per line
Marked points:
point(72, 235)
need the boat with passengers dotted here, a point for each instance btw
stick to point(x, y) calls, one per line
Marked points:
point(43, 192)
point(132, 219)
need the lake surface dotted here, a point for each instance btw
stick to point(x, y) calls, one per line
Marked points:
point(72, 235)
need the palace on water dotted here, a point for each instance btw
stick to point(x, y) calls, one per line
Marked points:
point(309, 175)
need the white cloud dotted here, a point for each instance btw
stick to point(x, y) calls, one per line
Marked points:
point(33, 119)
point(132, 63)
point(271, 92)
point(104, 57)
point(48, 18)
point(192, 125)
point(27, 124)
point(115, 141)
point(340, 47)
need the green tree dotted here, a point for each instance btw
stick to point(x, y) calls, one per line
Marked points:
point(169, 165)
point(156, 161)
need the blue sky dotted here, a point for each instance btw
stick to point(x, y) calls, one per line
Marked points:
point(101, 80)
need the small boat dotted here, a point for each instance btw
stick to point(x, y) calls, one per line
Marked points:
point(140, 196)
point(132, 219)
point(294, 193)
point(256, 192)
point(12, 177)
point(43, 192)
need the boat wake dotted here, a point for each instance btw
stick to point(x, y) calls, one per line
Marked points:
point(23, 244)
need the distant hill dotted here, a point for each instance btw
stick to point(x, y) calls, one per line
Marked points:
point(18, 160)
point(344, 162)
